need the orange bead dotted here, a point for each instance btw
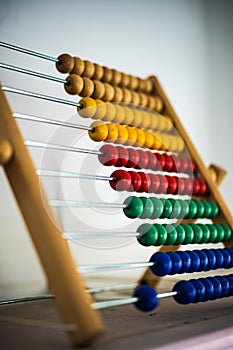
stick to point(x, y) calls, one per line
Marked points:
point(120, 114)
point(65, 63)
point(109, 93)
point(88, 109)
point(132, 135)
point(111, 112)
point(112, 132)
point(99, 72)
point(149, 142)
point(74, 84)
point(101, 110)
point(99, 90)
point(79, 66)
point(122, 134)
point(129, 115)
point(88, 88)
point(157, 143)
point(141, 137)
point(98, 132)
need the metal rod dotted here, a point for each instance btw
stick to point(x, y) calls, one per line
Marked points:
point(25, 299)
point(54, 173)
point(29, 52)
point(111, 267)
point(83, 204)
point(116, 288)
point(89, 235)
point(40, 96)
point(33, 73)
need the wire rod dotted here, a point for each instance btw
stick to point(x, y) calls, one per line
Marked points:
point(90, 235)
point(54, 173)
point(111, 267)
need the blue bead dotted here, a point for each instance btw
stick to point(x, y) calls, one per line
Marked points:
point(226, 258)
point(186, 292)
point(200, 290)
point(195, 261)
point(162, 264)
point(217, 288)
point(219, 258)
point(186, 261)
point(209, 289)
point(147, 298)
point(230, 251)
point(211, 259)
point(225, 286)
point(176, 263)
point(203, 260)
point(230, 280)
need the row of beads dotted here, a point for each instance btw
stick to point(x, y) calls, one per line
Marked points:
point(203, 289)
point(154, 208)
point(122, 114)
point(156, 183)
point(86, 87)
point(190, 261)
point(130, 135)
point(120, 156)
point(158, 234)
point(84, 68)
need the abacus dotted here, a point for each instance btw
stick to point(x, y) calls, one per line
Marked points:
point(173, 197)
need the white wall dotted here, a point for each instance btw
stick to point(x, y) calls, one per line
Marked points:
point(186, 44)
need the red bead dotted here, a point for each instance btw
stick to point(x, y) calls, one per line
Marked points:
point(152, 160)
point(154, 183)
point(143, 160)
point(168, 162)
point(145, 182)
point(176, 164)
point(136, 181)
point(172, 184)
point(133, 158)
point(163, 184)
point(196, 186)
point(193, 165)
point(123, 156)
point(188, 185)
point(122, 180)
point(161, 161)
point(203, 187)
point(109, 155)
point(184, 164)
point(180, 185)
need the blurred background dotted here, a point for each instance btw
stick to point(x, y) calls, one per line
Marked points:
point(187, 44)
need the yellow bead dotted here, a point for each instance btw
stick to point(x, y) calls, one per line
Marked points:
point(129, 115)
point(149, 139)
point(112, 132)
point(165, 142)
point(88, 108)
point(146, 120)
point(154, 121)
point(173, 144)
point(162, 123)
point(180, 144)
point(157, 143)
point(141, 137)
point(132, 135)
point(122, 134)
point(120, 114)
point(99, 131)
point(111, 112)
point(137, 117)
point(101, 110)
point(169, 122)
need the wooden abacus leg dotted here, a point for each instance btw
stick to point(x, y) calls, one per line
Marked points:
point(81, 321)
point(149, 278)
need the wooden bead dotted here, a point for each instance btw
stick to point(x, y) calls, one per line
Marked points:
point(173, 144)
point(169, 123)
point(137, 120)
point(74, 84)
point(146, 120)
point(152, 103)
point(99, 89)
point(101, 110)
point(159, 104)
point(127, 96)
point(88, 88)
point(118, 94)
point(122, 134)
point(165, 142)
point(107, 76)
point(88, 109)
point(111, 112)
point(79, 66)
point(162, 123)
point(65, 63)
point(6, 152)
point(125, 80)
point(141, 85)
point(120, 114)
point(112, 132)
point(89, 69)
point(143, 99)
point(132, 135)
point(109, 93)
point(99, 72)
point(149, 89)
point(134, 82)
point(129, 115)
point(135, 98)
point(116, 77)
point(99, 131)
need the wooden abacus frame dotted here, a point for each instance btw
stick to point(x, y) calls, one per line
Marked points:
point(82, 322)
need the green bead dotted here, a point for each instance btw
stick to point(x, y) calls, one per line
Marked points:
point(213, 232)
point(180, 234)
point(158, 208)
point(176, 208)
point(189, 234)
point(184, 209)
point(148, 208)
point(227, 232)
point(192, 210)
point(148, 235)
point(134, 207)
point(214, 209)
point(171, 234)
point(207, 209)
point(221, 233)
point(162, 234)
point(167, 208)
point(206, 233)
point(200, 209)
point(198, 234)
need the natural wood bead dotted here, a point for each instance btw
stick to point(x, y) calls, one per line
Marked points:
point(141, 85)
point(134, 82)
point(152, 102)
point(99, 89)
point(6, 152)
point(149, 86)
point(162, 123)
point(74, 84)
point(137, 120)
point(111, 112)
point(101, 109)
point(116, 77)
point(120, 114)
point(89, 69)
point(88, 109)
point(169, 122)
point(125, 80)
point(79, 66)
point(88, 88)
point(143, 99)
point(118, 94)
point(127, 96)
point(109, 93)
point(99, 72)
point(146, 120)
point(129, 115)
point(135, 98)
point(107, 76)
point(159, 104)
point(154, 121)
point(65, 64)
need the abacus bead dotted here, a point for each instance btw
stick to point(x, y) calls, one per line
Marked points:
point(122, 180)
point(120, 114)
point(172, 184)
point(125, 80)
point(163, 184)
point(230, 280)
point(203, 187)
point(109, 155)
point(176, 263)
point(143, 99)
point(143, 159)
point(154, 183)
point(151, 102)
point(162, 234)
point(129, 115)
point(123, 156)
point(198, 234)
point(203, 259)
point(195, 261)
point(99, 90)
point(176, 163)
point(137, 117)
point(205, 232)
point(227, 232)
point(189, 234)
point(160, 161)
point(133, 158)
point(180, 185)
point(79, 66)
point(188, 186)
point(184, 209)
point(151, 160)
point(211, 259)
point(213, 233)
point(136, 181)
point(176, 208)
point(148, 208)
point(225, 286)
point(110, 112)
point(132, 135)
point(158, 208)
point(217, 288)
point(230, 251)
point(101, 110)
point(88, 109)
point(162, 264)
point(141, 137)
point(214, 209)
point(112, 132)
point(200, 290)
point(89, 69)
point(116, 77)
point(220, 235)
point(107, 76)
point(157, 143)
point(207, 209)
point(209, 289)
point(148, 235)
point(98, 132)
point(168, 162)
point(171, 234)
point(88, 88)
point(149, 142)
point(65, 63)
point(186, 292)
point(226, 258)
point(109, 93)
point(99, 72)
point(200, 209)
point(122, 134)
point(147, 298)
point(134, 207)
point(180, 234)
point(74, 84)
point(219, 258)
point(192, 210)
point(127, 96)
point(186, 261)
point(134, 82)
point(145, 182)
point(146, 119)
point(167, 208)
point(118, 94)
